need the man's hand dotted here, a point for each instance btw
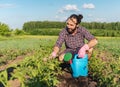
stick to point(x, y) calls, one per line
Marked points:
point(53, 55)
point(83, 50)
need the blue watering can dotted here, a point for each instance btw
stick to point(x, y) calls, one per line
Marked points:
point(79, 65)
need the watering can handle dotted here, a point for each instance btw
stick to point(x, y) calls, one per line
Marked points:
point(76, 56)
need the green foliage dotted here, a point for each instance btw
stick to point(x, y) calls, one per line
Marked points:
point(6, 34)
point(34, 72)
point(3, 29)
point(104, 25)
point(106, 73)
point(105, 62)
point(105, 32)
point(30, 26)
point(53, 28)
point(19, 32)
point(95, 32)
point(10, 49)
point(49, 31)
point(38, 73)
point(110, 44)
point(4, 78)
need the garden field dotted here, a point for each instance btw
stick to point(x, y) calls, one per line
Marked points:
point(23, 62)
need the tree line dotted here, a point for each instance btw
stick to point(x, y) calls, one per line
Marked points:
point(53, 28)
point(52, 24)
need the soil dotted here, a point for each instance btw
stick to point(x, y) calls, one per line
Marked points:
point(18, 59)
point(15, 61)
point(66, 80)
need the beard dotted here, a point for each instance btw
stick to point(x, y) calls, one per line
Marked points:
point(71, 31)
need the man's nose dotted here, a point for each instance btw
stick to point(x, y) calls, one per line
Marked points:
point(68, 26)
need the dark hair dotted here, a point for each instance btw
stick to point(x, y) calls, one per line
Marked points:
point(77, 17)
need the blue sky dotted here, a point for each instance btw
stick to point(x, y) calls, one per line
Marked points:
point(15, 13)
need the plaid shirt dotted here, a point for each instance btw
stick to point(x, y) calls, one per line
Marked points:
point(76, 41)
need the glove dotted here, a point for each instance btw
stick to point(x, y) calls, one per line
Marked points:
point(82, 51)
point(53, 55)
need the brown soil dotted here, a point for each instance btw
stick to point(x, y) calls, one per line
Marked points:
point(18, 59)
point(66, 80)
point(14, 83)
point(15, 61)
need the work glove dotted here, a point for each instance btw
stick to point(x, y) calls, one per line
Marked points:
point(82, 51)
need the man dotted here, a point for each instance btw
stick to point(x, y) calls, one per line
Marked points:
point(74, 37)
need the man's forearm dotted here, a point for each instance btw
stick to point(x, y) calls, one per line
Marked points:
point(92, 43)
point(56, 49)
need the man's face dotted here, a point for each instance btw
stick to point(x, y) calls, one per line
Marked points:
point(71, 25)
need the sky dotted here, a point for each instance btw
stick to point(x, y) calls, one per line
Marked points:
point(15, 13)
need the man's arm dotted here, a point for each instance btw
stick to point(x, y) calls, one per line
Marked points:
point(92, 43)
point(59, 43)
point(56, 49)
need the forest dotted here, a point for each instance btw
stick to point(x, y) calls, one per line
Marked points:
point(54, 27)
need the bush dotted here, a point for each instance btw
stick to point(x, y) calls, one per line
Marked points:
point(19, 32)
point(7, 34)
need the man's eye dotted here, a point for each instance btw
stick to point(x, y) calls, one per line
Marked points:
point(69, 24)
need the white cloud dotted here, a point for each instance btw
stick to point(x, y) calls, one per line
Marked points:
point(69, 7)
point(56, 16)
point(63, 18)
point(90, 15)
point(6, 5)
point(88, 6)
point(60, 18)
point(100, 19)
